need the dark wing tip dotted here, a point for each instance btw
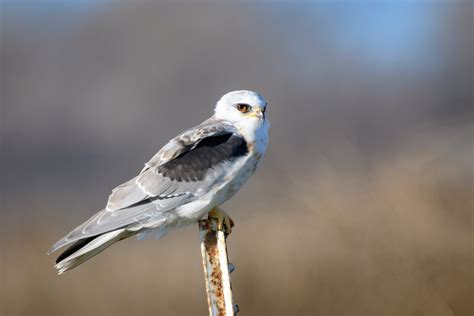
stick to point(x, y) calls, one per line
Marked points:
point(75, 247)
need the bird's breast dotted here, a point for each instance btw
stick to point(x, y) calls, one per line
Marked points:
point(242, 168)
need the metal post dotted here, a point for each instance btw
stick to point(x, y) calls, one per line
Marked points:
point(217, 270)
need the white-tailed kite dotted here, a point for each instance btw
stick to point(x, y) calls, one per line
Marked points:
point(193, 173)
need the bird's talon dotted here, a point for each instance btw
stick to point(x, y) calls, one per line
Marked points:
point(224, 222)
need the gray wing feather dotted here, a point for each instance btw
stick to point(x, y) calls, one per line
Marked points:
point(149, 183)
point(125, 194)
point(149, 195)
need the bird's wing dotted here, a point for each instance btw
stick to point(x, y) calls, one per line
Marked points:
point(167, 174)
point(186, 168)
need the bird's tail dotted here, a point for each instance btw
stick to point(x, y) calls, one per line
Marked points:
point(86, 248)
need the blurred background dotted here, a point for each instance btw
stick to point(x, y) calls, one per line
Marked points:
point(363, 205)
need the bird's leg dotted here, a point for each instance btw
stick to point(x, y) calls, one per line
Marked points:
point(224, 222)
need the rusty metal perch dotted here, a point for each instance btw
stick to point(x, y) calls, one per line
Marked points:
point(213, 233)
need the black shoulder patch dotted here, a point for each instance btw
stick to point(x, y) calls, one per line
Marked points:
point(193, 165)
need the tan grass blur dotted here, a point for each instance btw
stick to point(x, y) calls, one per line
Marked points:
point(363, 205)
point(392, 240)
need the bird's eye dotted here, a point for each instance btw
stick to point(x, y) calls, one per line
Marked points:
point(243, 108)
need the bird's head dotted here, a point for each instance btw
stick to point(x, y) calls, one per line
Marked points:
point(242, 107)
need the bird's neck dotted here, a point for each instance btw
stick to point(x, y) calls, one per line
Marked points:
point(255, 132)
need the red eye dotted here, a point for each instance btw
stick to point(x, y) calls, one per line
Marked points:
point(244, 108)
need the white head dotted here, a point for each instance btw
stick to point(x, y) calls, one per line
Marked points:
point(246, 110)
point(241, 106)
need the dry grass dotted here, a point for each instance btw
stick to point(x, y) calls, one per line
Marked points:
point(394, 239)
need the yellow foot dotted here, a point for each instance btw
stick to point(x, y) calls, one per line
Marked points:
point(224, 222)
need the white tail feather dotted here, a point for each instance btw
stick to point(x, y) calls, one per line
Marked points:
point(91, 249)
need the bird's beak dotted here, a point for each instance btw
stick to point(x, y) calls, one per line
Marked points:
point(258, 113)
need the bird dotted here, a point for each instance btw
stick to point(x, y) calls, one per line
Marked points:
point(190, 176)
